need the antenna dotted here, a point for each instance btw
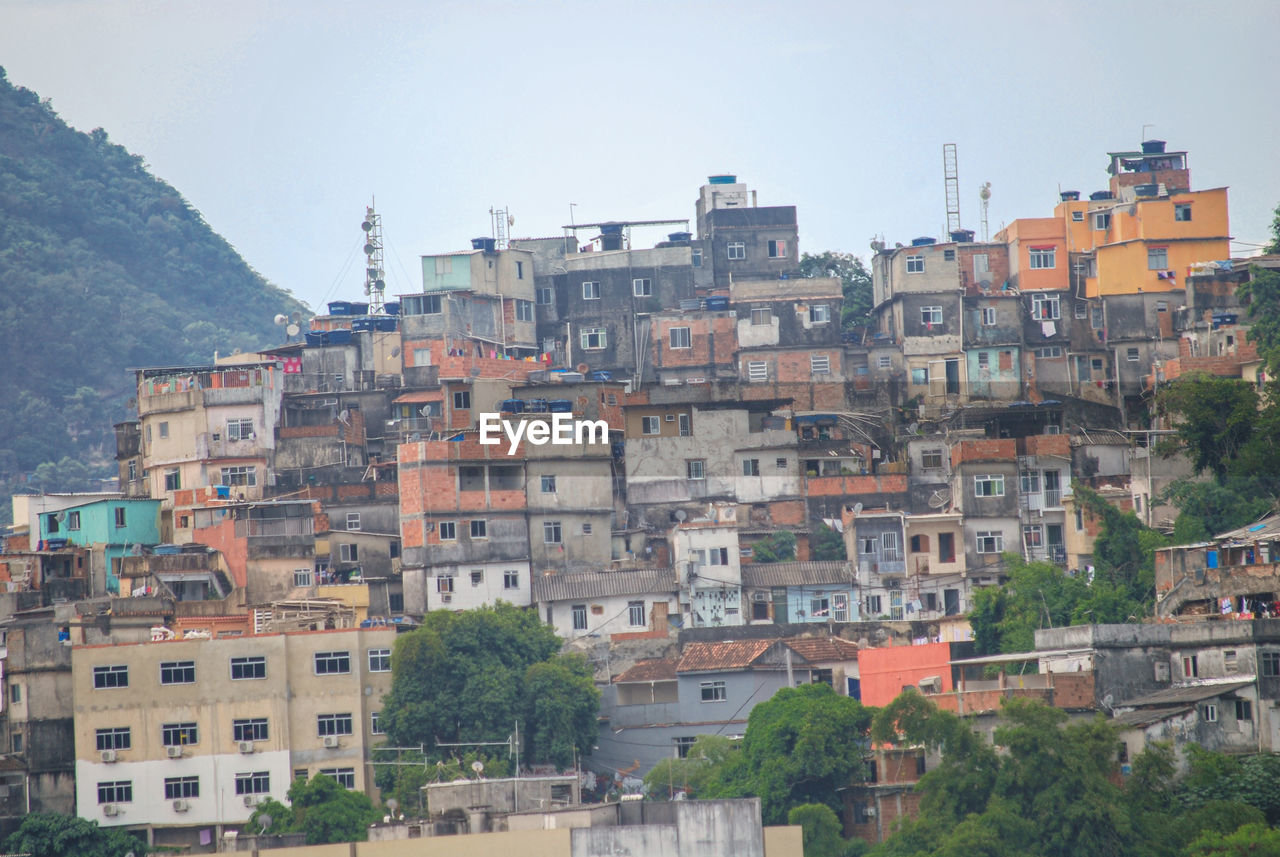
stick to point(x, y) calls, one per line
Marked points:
point(681, 514)
point(951, 182)
point(857, 508)
point(984, 194)
point(501, 220)
point(374, 282)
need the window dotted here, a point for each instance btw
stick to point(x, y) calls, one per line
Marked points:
point(524, 310)
point(1230, 662)
point(239, 429)
point(349, 553)
point(133, 469)
point(650, 425)
point(1157, 258)
point(181, 787)
point(946, 547)
point(988, 316)
point(884, 361)
point(697, 257)
point(988, 485)
point(448, 531)
point(819, 364)
point(1210, 713)
point(510, 580)
point(819, 314)
point(1077, 217)
point(1043, 257)
point(594, 338)
point(1244, 709)
point(353, 520)
point(345, 777)
point(178, 672)
point(1049, 352)
point(931, 459)
point(780, 463)
point(984, 360)
point(1190, 667)
point(462, 400)
point(551, 534)
point(178, 734)
point(379, 660)
point(948, 255)
point(548, 484)
point(118, 738)
point(981, 265)
point(105, 677)
point(172, 479)
point(777, 249)
point(333, 724)
point(479, 529)
point(519, 270)
point(920, 376)
point(757, 370)
point(680, 338)
point(751, 467)
point(164, 429)
point(375, 723)
point(635, 614)
point(1270, 664)
point(256, 783)
point(990, 542)
point(737, 251)
point(586, 529)
point(915, 264)
point(245, 474)
point(761, 315)
point(543, 295)
point(684, 429)
point(713, 691)
point(1182, 212)
point(590, 291)
point(15, 693)
point(117, 791)
point(444, 583)
point(120, 516)
point(1046, 307)
point(73, 520)
point(477, 577)
point(1033, 536)
point(250, 729)
point(1082, 309)
point(333, 663)
point(579, 612)
point(253, 666)
point(684, 744)
point(930, 315)
point(1162, 306)
point(1102, 221)
point(1097, 317)
point(1029, 482)
point(642, 288)
point(695, 469)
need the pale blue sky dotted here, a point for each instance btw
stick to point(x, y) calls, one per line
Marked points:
point(279, 120)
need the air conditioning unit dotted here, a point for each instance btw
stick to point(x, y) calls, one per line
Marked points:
point(246, 746)
point(110, 809)
point(251, 800)
point(108, 756)
point(733, 313)
point(331, 742)
point(174, 752)
point(181, 805)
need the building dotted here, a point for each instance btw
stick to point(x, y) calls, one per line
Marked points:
point(744, 241)
point(112, 529)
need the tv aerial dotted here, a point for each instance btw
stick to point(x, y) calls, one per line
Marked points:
point(375, 283)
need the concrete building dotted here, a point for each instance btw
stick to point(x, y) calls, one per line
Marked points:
point(111, 529)
point(631, 604)
point(744, 241)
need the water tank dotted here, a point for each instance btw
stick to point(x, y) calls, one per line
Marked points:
point(962, 236)
point(679, 236)
point(560, 406)
point(391, 307)
point(718, 302)
point(340, 308)
point(511, 406)
point(315, 337)
point(339, 337)
point(722, 179)
point(1146, 189)
point(923, 242)
point(488, 245)
point(1153, 147)
point(358, 308)
point(1069, 195)
point(1102, 194)
point(359, 325)
point(602, 375)
point(385, 323)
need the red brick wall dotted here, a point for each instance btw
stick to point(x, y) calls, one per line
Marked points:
point(1004, 449)
point(1045, 444)
point(889, 483)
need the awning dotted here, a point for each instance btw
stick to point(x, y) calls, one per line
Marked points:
point(420, 396)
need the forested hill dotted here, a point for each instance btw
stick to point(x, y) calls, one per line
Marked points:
point(103, 267)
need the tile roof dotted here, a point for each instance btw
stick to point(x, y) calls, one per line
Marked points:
point(658, 669)
point(816, 649)
point(601, 584)
point(796, 573)
point(728, 655)
point(1174, 696)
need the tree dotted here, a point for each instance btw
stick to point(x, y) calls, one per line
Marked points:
point(1213, 417)
point(854, 278)
point(322, 809)
point(1252, 840)
point(825, 544)
point(48, 834)
point(561, 702)
point(1036, 595)
point(775, 547)
point(821, 830)
point(692, 773)
point(1273, 246)
point(1261, 293)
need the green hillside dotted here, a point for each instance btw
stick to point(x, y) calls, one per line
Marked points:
point(103, 267)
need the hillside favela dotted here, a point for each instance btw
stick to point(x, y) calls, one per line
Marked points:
point(647, 537)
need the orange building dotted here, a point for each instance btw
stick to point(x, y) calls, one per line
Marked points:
point(886, 672)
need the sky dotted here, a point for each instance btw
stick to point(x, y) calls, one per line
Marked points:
point(280, 121)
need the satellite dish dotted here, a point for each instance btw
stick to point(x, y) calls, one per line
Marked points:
point(380, 284)
point(368, 249)
point(292, 329)
point(425, 410)
point(281, 318)
point(266, 821)
point(393, 805)
point(395, 352)
point(940, 498)
point(857, 508)
point(913, 429)
point(366, 226)
point(60, 517)
point(478, 767)
point(681, 514)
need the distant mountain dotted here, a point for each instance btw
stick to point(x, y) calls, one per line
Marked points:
point(103, 267)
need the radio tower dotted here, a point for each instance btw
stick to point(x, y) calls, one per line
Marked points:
point(984, 194)
point(374, 282)
point(951, 179)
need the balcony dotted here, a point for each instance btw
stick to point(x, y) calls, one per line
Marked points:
point(885, 565)
point(1052, 498)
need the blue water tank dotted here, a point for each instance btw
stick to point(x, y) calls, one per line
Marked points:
point(1102, 194)
point(361, 324)
point(391, 307)
point(722, 179)
point(680, 236)
point(339, 337)
point(602, 375)
point(718, 302)
point(511, 406)
point(358, 308)
point(488, 245)
point(923, 241)
point(315, 337)
point(560, 406)
point(340, 308)
point(384, 323)
point(224, 491)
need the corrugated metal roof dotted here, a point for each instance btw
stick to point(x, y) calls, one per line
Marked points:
point(1267, 528)
point(600, 584)
point(1146, 716)
point(823, 648)
point(1174, 696)
point(659, 669)
point(796, 573)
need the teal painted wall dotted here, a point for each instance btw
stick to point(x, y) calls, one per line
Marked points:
point(459, 278)
point(97, 526)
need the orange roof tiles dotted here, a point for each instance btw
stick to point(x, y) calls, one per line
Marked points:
point(729, 655)
point(659, 669)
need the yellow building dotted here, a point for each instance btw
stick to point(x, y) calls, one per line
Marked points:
point(182, 737)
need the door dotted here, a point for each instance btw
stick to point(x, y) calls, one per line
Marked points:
point(951, 601)
point(953, 376)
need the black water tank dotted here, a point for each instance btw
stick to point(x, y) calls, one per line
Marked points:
point(1153, 147)
point(1070, 195)
point(923, 242)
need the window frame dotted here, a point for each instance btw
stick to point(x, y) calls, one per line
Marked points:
point(989, 316)
point(686, 337)
point(987, 542)
point(251, 729)
point(181, 788)
point(478, 528)
point(635, 614)
point(695, 469)
point(819, 364)
point(930, 315)
point(777, 248)
point(915, 263)
point(338, 724)
point(713, 691)
point(736, 251)
point(177, 672)
point(1042, 258)
point(180, 734)
point(451, 526)
point(597, 335)
point(642, 287)
point(115, 791)
point(253, 783)
point(336, 662)
point(591, 290)
point(510, 580)
point(113, 738)
point(995, 480)
point(254, 665)
point(552, 533)
point(651, 420)
point(1157, 258)
point(111, 677)
point(379, 660)
point(578, 616)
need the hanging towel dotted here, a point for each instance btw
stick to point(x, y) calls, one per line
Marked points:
point(1048, 328)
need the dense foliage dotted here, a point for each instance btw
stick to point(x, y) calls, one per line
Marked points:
point(855, 281)
point(103, 267)
point(322, 809)
point(48, 834)
point(474, 676)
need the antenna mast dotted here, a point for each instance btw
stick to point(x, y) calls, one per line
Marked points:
point(374, 279)
point(501, 220)
point(951, 179)
point(984, 194)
